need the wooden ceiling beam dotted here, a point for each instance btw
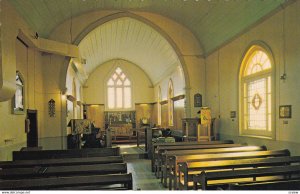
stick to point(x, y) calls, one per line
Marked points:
point(49, 46)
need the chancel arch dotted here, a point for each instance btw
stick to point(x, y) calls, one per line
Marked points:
point(125, 39)
point(173, 35)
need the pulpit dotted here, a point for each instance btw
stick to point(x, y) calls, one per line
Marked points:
point(190, 127)
point(194, 131)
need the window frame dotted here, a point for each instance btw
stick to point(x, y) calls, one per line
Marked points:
point(115, 87)
point(170, 103)
point(159, 106)
point(246, 79)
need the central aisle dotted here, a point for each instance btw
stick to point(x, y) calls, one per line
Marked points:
point(143, 178)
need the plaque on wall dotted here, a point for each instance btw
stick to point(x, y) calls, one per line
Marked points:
point(285, 111)
point(197, 100)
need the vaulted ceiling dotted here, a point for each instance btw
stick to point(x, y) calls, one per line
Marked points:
point(132, 40)
point(214, 22)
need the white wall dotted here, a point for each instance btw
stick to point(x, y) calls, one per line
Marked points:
point(222, 68)
point(53, 130)
point(71, 77)
point(95, 87)
point(12, 130)
point(29, 62)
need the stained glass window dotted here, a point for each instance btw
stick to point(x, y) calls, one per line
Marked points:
point(119, 90)
point(256, 93)
point(258, 61)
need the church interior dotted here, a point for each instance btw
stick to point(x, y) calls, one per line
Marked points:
point(149, 95)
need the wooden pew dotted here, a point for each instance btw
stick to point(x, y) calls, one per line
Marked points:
point(188, 169)
point(279, 172)
point(58, 183)
point(185, 150)
point(73, 153)
point(63, 171)
point(160, 150)
point(61, 162)
point(154, 145)
point(267, 185)
point(168, 154)
point(112, 187)
point(173, 161)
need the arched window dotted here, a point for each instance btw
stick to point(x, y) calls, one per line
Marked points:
point(18, 101)
point(74, 88)
point(170, 103)
point(74, 94)
point(159, 106)
point(119, 90)
point(256, 93)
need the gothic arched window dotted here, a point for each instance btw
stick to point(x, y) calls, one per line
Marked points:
point(119, 90)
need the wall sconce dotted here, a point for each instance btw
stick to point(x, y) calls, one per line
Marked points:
point(64, 91)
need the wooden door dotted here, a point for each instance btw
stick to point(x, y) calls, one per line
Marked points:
point(32, 134)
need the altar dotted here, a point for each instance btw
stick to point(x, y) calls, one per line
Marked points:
point(121, 124)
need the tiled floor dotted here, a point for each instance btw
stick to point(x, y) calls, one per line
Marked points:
point(131, 149)
point(143, 178)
